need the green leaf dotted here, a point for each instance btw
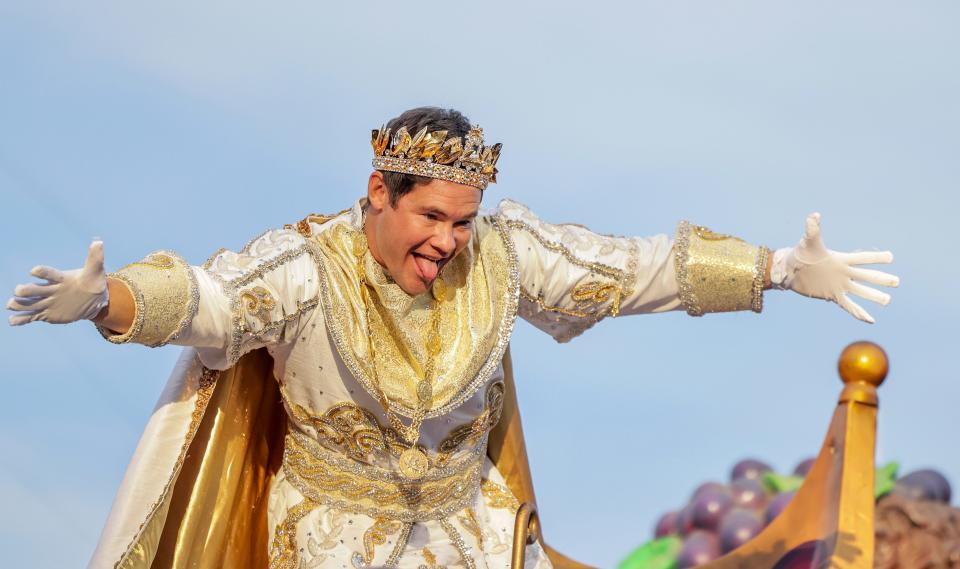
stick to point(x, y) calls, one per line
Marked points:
point(657, 554)
point(886, 478)
point(780, 483)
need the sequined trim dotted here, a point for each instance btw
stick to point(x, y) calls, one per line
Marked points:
point(325, 476)
point(681, 249)
point(401, 544)
point(759, 279)
point(205, 386)
point(716, 272)
point(599, 268)
point(210, 260)
point(231, 284)
point(232, 287)
point(356, 432)
point(302, 307)
point(590, 301)
point(166, 299)
point(457, 539)
point(510, 298)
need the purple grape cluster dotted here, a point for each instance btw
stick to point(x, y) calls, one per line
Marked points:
point(719, 518)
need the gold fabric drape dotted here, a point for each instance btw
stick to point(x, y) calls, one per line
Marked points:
point(217, 515)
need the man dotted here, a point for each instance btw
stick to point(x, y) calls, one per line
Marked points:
point(385, 325)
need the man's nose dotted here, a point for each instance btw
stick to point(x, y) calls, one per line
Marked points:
point(443, 240)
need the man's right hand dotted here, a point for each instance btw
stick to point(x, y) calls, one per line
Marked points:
point(67, 296)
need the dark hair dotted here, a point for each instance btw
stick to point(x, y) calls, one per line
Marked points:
point(434, 118)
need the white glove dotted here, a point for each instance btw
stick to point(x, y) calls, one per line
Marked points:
point(67, 296)
point(813, 270)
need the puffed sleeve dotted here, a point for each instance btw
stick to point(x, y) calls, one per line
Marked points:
point(235, 302)
point(571, 278)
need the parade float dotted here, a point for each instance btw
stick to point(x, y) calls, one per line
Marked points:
point(838, 510)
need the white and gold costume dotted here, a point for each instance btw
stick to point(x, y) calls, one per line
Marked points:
point(208, 487)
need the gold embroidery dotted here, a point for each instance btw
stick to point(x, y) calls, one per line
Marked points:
point(498, 496)
point(346, 426)
point(430, 559)
point(303, 226)
point(156, 261)
point(473, 432)
point(283, 549)
point(704, 233)
point(589, 300)
point(356, 432)
point(595, 294)
point(232, 286)
point(326, 476)
point(259, 302)
point(471, 523)
point(377, 535)
point(538, 300)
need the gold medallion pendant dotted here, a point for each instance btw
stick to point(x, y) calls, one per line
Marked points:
point(414, 463)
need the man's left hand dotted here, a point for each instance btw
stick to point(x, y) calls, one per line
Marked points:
point(813, 270)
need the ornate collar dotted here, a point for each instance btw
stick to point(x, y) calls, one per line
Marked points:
point(476, 320)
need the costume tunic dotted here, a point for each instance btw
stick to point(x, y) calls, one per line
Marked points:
point(339, 499)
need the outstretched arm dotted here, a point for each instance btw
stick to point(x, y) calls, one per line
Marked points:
point(236, 302)
point(572, 277)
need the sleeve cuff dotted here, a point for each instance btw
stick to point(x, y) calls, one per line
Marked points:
point(165, 295)
point(718, 273)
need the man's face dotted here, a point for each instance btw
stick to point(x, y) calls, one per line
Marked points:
point(428, 227)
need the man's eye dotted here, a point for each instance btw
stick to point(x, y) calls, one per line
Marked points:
point(466, 223)
point(431, 216)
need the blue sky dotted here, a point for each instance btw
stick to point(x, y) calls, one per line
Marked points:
point(192, 126)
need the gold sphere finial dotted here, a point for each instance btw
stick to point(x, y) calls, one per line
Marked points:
point(863, 362)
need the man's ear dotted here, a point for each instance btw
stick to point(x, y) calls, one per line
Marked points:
point(377, 192)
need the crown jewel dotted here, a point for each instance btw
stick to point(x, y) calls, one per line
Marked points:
point(433, 155)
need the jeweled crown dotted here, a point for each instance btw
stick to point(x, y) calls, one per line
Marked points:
point(433, 155)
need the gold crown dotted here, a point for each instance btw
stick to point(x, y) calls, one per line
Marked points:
point(433, 155)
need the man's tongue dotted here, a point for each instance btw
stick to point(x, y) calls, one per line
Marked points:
point(428, 269)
